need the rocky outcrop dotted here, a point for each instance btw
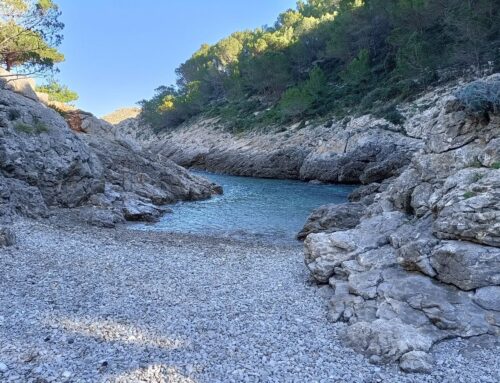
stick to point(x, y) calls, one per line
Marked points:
point(423, 265)
point(46, 161)
point(331, 218)
point(42, 163)
point(121, 115)
point(137, 186)
point(19, 198)
point(361, 150)
point(18, 83)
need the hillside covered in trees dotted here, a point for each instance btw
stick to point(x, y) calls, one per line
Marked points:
point(331, 57)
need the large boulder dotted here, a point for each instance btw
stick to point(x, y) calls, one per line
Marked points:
point(19, 198)
point(466, 265)
point(331, 218)
point(18, 83)
point(467, 207)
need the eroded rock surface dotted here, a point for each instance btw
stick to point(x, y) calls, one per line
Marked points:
point(361, 150)
point(423, 265)
point(137, 185)
point(331, 218)
point(84, 162)
point(42, 163)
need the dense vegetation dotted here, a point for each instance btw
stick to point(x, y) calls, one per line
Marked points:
point(332, 56)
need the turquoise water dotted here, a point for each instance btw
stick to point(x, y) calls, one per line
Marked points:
point(267, 208)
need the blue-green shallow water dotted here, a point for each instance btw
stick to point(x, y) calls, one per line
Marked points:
point(254, 207)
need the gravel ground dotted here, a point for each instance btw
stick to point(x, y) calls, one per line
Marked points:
point(80, 304)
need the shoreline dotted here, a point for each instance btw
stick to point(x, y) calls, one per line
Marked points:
point(79, 303)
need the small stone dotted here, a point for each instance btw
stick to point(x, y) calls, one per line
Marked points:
point(7, 237)
point(416, 362)
point(3, 367)
point(67, 374)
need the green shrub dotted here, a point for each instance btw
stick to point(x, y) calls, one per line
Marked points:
point(391, 114)
point(495, 165)
point(58, 92)
point(38, 127)
point(469, 194)
point(23, 128)
point(477, 177)
point(480, 97)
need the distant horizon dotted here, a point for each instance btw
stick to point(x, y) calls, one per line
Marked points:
point(128, 50)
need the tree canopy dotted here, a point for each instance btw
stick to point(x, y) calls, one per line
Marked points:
point(30, 32)
point(332, 56)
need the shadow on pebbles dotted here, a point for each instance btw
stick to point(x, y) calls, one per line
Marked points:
point(80, 304)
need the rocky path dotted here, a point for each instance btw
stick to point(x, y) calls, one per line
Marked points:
point(79, 304)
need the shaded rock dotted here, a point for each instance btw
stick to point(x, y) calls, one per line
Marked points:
point(38, 148)
point(416, 362)
point(17, 197)
point(466, 265)
point(488, 297)
point(364, 193)
point(7, 237)
point(129, 170)
point(331, 218)
point(374, 160)
point(46, 161)
point(386, 341)
point(137, 210)
point(106, 218)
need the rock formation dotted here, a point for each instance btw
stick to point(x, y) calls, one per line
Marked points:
point(423, 265)
point(331, 218)
point(41, 161)
point(44, 162)
point(360, 150)
point(137, 186)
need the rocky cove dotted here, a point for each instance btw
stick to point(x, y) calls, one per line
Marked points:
point(403, 278)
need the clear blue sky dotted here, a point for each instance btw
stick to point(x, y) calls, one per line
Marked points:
point(118, 51)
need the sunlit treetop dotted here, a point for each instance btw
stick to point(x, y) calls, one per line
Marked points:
point(30, 32)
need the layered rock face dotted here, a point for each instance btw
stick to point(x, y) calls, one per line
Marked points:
point(423, 265)
point(46, 161)
point(361, 150)
point(137, 185)
point(42, 163)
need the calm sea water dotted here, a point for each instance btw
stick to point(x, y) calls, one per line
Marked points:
point(267, 208)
